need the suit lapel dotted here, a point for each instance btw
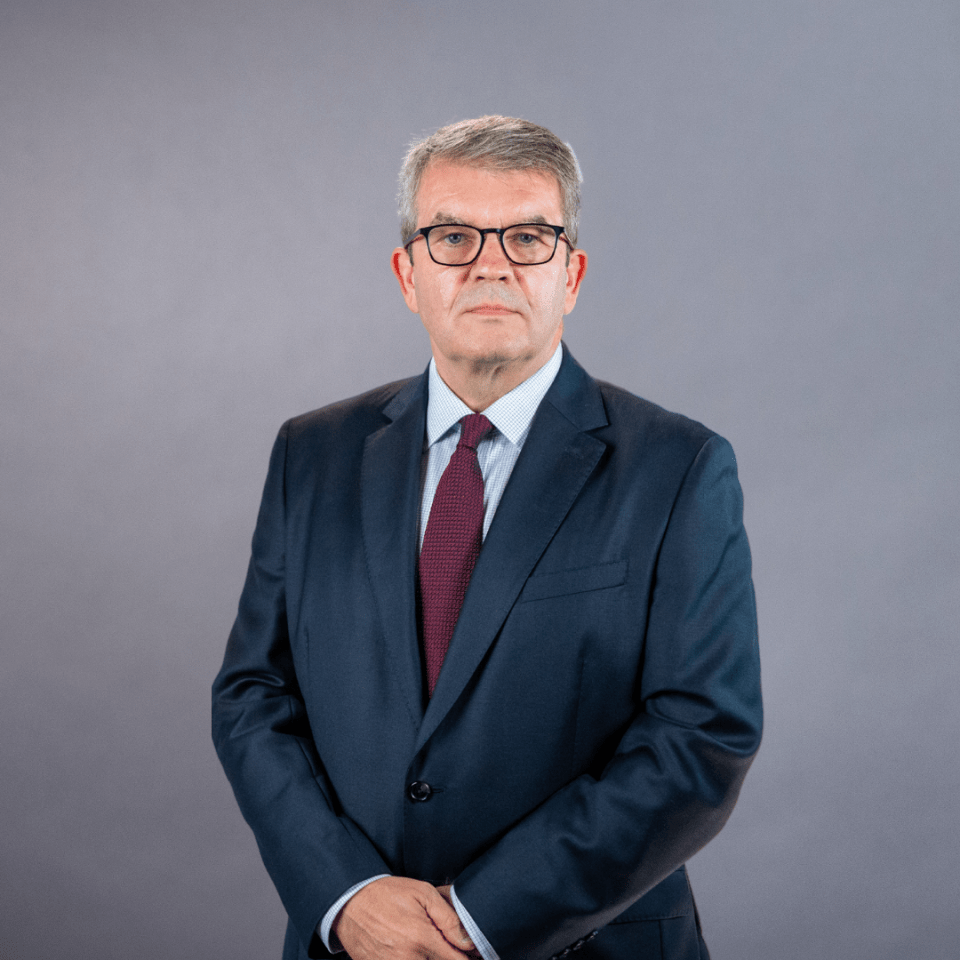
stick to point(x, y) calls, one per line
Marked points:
point(390, 503)
point(553, 466)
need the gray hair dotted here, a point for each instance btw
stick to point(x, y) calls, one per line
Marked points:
point(500, 143)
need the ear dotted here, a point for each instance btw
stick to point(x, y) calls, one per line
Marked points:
point(576, 269)
point(403, 270)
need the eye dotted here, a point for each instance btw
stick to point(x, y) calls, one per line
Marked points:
point(528, 235)
point(452, 236)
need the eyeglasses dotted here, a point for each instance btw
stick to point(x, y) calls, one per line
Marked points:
point(457, 244)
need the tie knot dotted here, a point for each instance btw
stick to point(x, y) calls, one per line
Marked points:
point(472, 430)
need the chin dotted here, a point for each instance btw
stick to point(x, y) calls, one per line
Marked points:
point(491, 359)
point(497, 350)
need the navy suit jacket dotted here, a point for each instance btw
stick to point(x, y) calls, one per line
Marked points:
point(596, 712)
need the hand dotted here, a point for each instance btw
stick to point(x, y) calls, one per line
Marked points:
point(471, 950)
point(395, 918)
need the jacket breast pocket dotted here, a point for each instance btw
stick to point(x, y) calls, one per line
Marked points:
point(562, 583)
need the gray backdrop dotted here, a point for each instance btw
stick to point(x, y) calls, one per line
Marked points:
point(196, 216)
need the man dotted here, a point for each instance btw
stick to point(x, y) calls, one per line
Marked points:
point(493, 678)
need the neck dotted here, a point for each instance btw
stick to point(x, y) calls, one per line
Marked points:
point(480, 383)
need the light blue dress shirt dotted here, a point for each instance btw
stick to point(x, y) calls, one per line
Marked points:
point(497, 454)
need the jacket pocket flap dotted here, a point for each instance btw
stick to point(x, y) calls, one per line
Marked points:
point(599, 577)
point(669, 898)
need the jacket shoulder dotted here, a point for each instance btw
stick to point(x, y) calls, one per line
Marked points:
point(354, 417)
point(634, 420)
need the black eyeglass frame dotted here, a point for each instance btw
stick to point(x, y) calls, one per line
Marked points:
point(499, 231)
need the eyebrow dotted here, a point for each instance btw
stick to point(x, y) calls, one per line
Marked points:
point(441, 216)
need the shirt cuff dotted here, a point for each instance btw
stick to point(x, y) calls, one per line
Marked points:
point(323, 931)
point(479, 940)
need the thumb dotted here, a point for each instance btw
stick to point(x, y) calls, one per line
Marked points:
point(445, 919)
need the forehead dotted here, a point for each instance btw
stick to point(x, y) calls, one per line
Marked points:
point(485, 197)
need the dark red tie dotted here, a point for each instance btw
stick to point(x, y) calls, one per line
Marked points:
point(451, 544)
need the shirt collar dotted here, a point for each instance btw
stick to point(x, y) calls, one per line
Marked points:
point(511, 414)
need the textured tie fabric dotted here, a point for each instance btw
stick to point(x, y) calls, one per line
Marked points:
point(451, 544)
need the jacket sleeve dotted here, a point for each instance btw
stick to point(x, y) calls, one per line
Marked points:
point(260, 729)
point(598, 844)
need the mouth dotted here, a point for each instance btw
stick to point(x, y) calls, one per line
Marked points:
point(491, 310)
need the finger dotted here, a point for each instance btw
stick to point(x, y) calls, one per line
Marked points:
point(458, 937)
point(463, 937)
point(446, 920)
point(440, 948)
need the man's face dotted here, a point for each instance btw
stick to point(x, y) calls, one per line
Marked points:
point(491, 312)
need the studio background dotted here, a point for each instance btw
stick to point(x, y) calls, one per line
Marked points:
point(196, 216)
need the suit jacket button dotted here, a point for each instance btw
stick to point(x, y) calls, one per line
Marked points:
point(418, 790)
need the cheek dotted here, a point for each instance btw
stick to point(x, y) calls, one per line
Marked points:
point(436, 301)
point(435, 294)
point(549, 298)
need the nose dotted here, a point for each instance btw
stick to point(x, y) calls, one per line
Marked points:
point(492, 263)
